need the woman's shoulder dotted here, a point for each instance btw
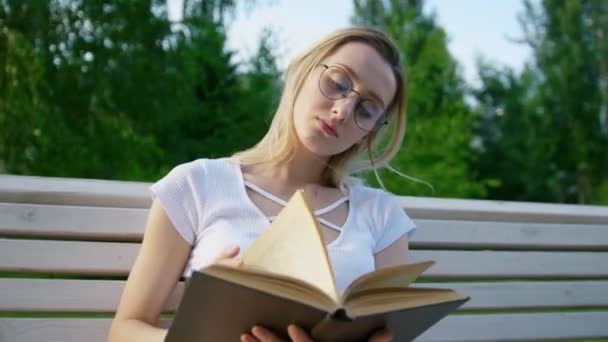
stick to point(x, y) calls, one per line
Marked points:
point(386, 210)
point(195, 179)
point(364, 192)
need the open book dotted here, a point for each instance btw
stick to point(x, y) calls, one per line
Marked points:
point(286, 278)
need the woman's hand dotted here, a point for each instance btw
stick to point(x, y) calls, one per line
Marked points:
point(228, 257)
point(297, 334)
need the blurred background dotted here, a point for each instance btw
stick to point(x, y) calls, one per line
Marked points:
point(508, 99)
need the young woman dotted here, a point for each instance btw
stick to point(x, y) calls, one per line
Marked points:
point(342, 110)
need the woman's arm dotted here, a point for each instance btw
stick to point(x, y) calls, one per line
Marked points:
point(393, 255)
point(155, 273)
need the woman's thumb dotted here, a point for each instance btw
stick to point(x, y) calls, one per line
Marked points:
point(230, 252)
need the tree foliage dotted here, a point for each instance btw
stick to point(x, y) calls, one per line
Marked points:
point(114, 90)
point(437, 147)
point(117, 91)
point(549, 142)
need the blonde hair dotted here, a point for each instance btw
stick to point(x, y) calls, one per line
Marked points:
point(277, 146)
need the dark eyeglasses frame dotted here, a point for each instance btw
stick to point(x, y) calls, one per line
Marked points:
point(378, 125)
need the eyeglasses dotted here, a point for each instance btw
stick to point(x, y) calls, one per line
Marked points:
point(335, 84)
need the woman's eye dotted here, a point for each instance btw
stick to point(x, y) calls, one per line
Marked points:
point(363, 113)
point(339, 86)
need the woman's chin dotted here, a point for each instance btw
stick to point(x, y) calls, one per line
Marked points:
point(319, 145)
point(323, 150)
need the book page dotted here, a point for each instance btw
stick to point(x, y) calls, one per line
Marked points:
point(274, 284)
point(400, 276)
point(399, 299)
point(293, 246)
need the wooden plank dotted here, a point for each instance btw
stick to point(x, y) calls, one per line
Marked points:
point(57, 329)
point(54, 330)
point(59, 221)
point(71, 295)
point(530, 294)
point(67, 257)
point(127, 224)
point(68, 295)
point(518, 327)
point(112, 258)
point(513, 264)
point(90, 192)
point(513, 235)
point(454, 328)
point(488, 210)
point(73, 191)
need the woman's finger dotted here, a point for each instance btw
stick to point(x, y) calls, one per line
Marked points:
point(248, 338)
point(228, 257)
point(298, 334)
point(230, 262)
point(383, 335)
point(229, 252)
point(264, 335)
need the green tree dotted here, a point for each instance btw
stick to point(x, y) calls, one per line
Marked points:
point(261, 82)
point(82, 129)
point(550, 144)
point(437, 147)
point(20, 102)
point(511, 140)
point(116, 91)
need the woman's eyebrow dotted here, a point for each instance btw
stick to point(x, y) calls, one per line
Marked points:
point(355, 76)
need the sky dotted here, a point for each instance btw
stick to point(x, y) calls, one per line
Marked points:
point(474, 27)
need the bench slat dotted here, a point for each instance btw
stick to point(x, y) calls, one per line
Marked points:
point(514, 264)
point(57, 329)
point(70, 295)
point(67, 257)
point(514, 235)
point(112, 258)
point(54, 330)
point(58, 221)
point(74, 191)
point(518, 327)
point(530, 294)
point(92, 192)
point(472, 328)
point(125, 224)
point(488, 210)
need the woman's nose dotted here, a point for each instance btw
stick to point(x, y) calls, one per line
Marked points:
point(344, 108)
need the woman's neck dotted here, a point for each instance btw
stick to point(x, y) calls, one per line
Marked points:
point(294, 173)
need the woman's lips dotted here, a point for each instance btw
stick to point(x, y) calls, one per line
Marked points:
point(327, 128)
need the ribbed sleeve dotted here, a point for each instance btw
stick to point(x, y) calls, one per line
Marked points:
point(180, 193)
point(395, 222)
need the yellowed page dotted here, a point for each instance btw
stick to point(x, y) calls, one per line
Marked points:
point(293, 246)
point(272, 283)
point(399, 299)
point(399, 276)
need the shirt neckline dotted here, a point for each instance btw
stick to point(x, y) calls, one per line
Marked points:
point(243, 191)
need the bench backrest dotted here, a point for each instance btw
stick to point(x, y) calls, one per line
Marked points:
point(533, 271)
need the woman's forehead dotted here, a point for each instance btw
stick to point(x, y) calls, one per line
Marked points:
point(367, 68)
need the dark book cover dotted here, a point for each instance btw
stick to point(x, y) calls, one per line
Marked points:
point(213, 309)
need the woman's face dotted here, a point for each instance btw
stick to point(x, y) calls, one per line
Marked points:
point(329, 118)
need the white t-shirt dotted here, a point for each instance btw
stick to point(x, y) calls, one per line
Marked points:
point(207, 202)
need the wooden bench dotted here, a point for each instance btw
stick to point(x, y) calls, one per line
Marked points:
point(534, 271)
